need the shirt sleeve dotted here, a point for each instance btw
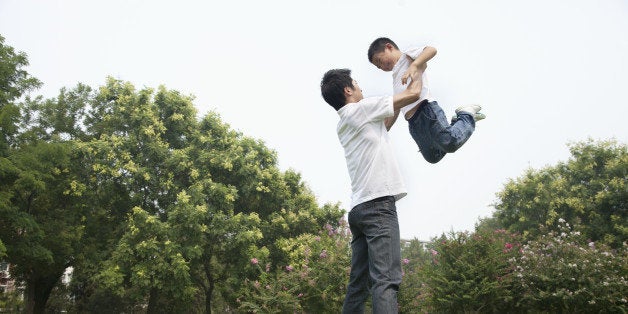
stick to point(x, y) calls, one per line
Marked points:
point(415, 52)
point(378, 108)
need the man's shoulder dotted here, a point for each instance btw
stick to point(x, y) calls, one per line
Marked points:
point(366, 106)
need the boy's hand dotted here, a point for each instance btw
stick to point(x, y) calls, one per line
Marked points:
point(414, 72)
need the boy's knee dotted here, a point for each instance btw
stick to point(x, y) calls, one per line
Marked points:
point(434, 158)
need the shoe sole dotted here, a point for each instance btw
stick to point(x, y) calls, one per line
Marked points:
point(476, 117)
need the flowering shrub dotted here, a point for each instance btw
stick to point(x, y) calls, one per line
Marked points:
point(412, 292)
point(464, 272)
point(482, 272)
point(561, 272)
point(491, 272)
point(314, 281)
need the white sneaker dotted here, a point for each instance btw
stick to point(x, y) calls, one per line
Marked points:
point(471, 109)
point(476, 117)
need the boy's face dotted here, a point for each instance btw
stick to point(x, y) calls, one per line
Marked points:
point(384, 60)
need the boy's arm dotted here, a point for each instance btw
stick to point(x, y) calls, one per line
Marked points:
point(409, 95)
point(419, 64)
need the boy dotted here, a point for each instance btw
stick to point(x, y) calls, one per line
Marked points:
point(376, 185)
point(426, 120)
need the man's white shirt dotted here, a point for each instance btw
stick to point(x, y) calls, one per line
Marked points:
point(372, 166)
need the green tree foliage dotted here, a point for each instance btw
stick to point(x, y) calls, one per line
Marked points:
point(41, 218)
point(14, 83)
point(153, 207)
point(590, 189)
point(215, 195)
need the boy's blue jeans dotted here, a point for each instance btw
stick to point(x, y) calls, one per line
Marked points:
point(375, 257)
point(434, 135)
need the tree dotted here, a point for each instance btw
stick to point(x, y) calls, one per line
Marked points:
point(214, 194)
point(151, 206)
point(40, 188)
point(40, 219)
point(590, 189)
point(14, 83)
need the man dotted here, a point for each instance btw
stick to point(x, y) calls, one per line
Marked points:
point(376, 185)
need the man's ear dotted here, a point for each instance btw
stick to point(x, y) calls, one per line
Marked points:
point(348, 91)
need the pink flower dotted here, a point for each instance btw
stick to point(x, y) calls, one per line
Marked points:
point(405, 261)
point(254, 261)
point(434, 252)
point(300, 295)
point(330, 230)
point(323, 254)
point(289, 268)
point(507, 247)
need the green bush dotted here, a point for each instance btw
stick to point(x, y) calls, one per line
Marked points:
point(314, 281)
point(467, 272)
point(561, 272)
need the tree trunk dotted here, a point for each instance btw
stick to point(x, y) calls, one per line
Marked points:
point(209, 290)
point(152, 301)
point(37, 292)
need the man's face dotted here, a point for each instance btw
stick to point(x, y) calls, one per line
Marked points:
point(384, 60)
point(357, 91)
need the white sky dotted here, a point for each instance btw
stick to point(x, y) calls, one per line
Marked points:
point(546, 72)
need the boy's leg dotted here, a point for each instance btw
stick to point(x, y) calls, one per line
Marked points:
point(421, 126)
point(430, 129)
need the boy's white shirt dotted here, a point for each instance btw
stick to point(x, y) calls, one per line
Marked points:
point(372, 165)
point(400, 68)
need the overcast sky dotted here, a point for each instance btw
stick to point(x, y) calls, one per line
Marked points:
point(547, 73)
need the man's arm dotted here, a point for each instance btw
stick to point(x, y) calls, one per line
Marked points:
point(411, 94)
point(391, 120)
point(419, 64)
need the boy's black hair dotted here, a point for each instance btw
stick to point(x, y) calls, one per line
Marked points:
point(333, 87)
point(378, 45)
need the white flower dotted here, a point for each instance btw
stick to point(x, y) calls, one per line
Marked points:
point(561, 220)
